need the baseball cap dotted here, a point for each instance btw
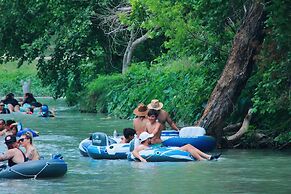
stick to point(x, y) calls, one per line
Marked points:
point(10, 139)
point(144, 136)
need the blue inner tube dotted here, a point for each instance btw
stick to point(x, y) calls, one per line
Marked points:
point(51, 168)
point(84, 144)
point(23, 131)
point(204, 143)
point(163, 154)
point(83, 147)
point(113, 151)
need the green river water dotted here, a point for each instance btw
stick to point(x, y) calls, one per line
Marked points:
point(237, 171)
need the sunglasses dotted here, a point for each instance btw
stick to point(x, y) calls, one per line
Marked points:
point(22, 139)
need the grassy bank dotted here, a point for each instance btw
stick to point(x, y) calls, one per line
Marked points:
point(11, 75)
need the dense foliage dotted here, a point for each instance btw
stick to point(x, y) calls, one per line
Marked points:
point(188, 47)
point(272, 98)
point(181, 86)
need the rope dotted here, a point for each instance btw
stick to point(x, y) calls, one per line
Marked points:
point(46, 164)
point(29, 176)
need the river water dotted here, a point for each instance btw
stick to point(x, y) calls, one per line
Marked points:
point(238, 171)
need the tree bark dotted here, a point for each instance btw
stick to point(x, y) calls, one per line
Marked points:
point(130, 49)
point(236, 72)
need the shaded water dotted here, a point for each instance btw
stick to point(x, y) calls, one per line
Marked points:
point(238, 171)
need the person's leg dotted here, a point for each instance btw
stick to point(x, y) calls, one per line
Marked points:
point(10, 107)
point(196, 153)
point(17, 108)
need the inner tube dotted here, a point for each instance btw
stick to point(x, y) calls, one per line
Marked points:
point(23, 131)
point(83, 147)
point(51, 168)
point(163, 154)
point(113, 151)
point(101, 139)
point(204, 143)
point(166, 134)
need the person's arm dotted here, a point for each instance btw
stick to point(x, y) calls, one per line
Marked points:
point(6, 156)
point(136, 154)
point(3, 132)
point(171, 123)
point(157, 128)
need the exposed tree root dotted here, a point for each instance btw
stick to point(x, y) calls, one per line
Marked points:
point(232, 127)
point(243, 129)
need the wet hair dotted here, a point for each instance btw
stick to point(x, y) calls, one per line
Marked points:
point(29, 95)
point(127, 132)
point(9, 122)
point(10, 95)
point(2, 121)
point(153, 112)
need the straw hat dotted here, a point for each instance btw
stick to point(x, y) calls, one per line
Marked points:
point(141, 110)
point(155, 104)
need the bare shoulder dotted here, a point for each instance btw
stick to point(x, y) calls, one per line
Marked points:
point(8, 154)
point(135, 120)
point(163, 113)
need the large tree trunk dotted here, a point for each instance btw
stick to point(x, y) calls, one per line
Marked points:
point(236, 72)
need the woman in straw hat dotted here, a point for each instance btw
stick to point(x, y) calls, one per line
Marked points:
point(163, 116)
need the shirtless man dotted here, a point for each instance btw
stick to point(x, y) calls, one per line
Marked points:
point(14, 155)
point(139, 123)
point(163, 116)
point(154, 127)
point(146, 140)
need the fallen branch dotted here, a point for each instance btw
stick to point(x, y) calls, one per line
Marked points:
point(286, 145)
